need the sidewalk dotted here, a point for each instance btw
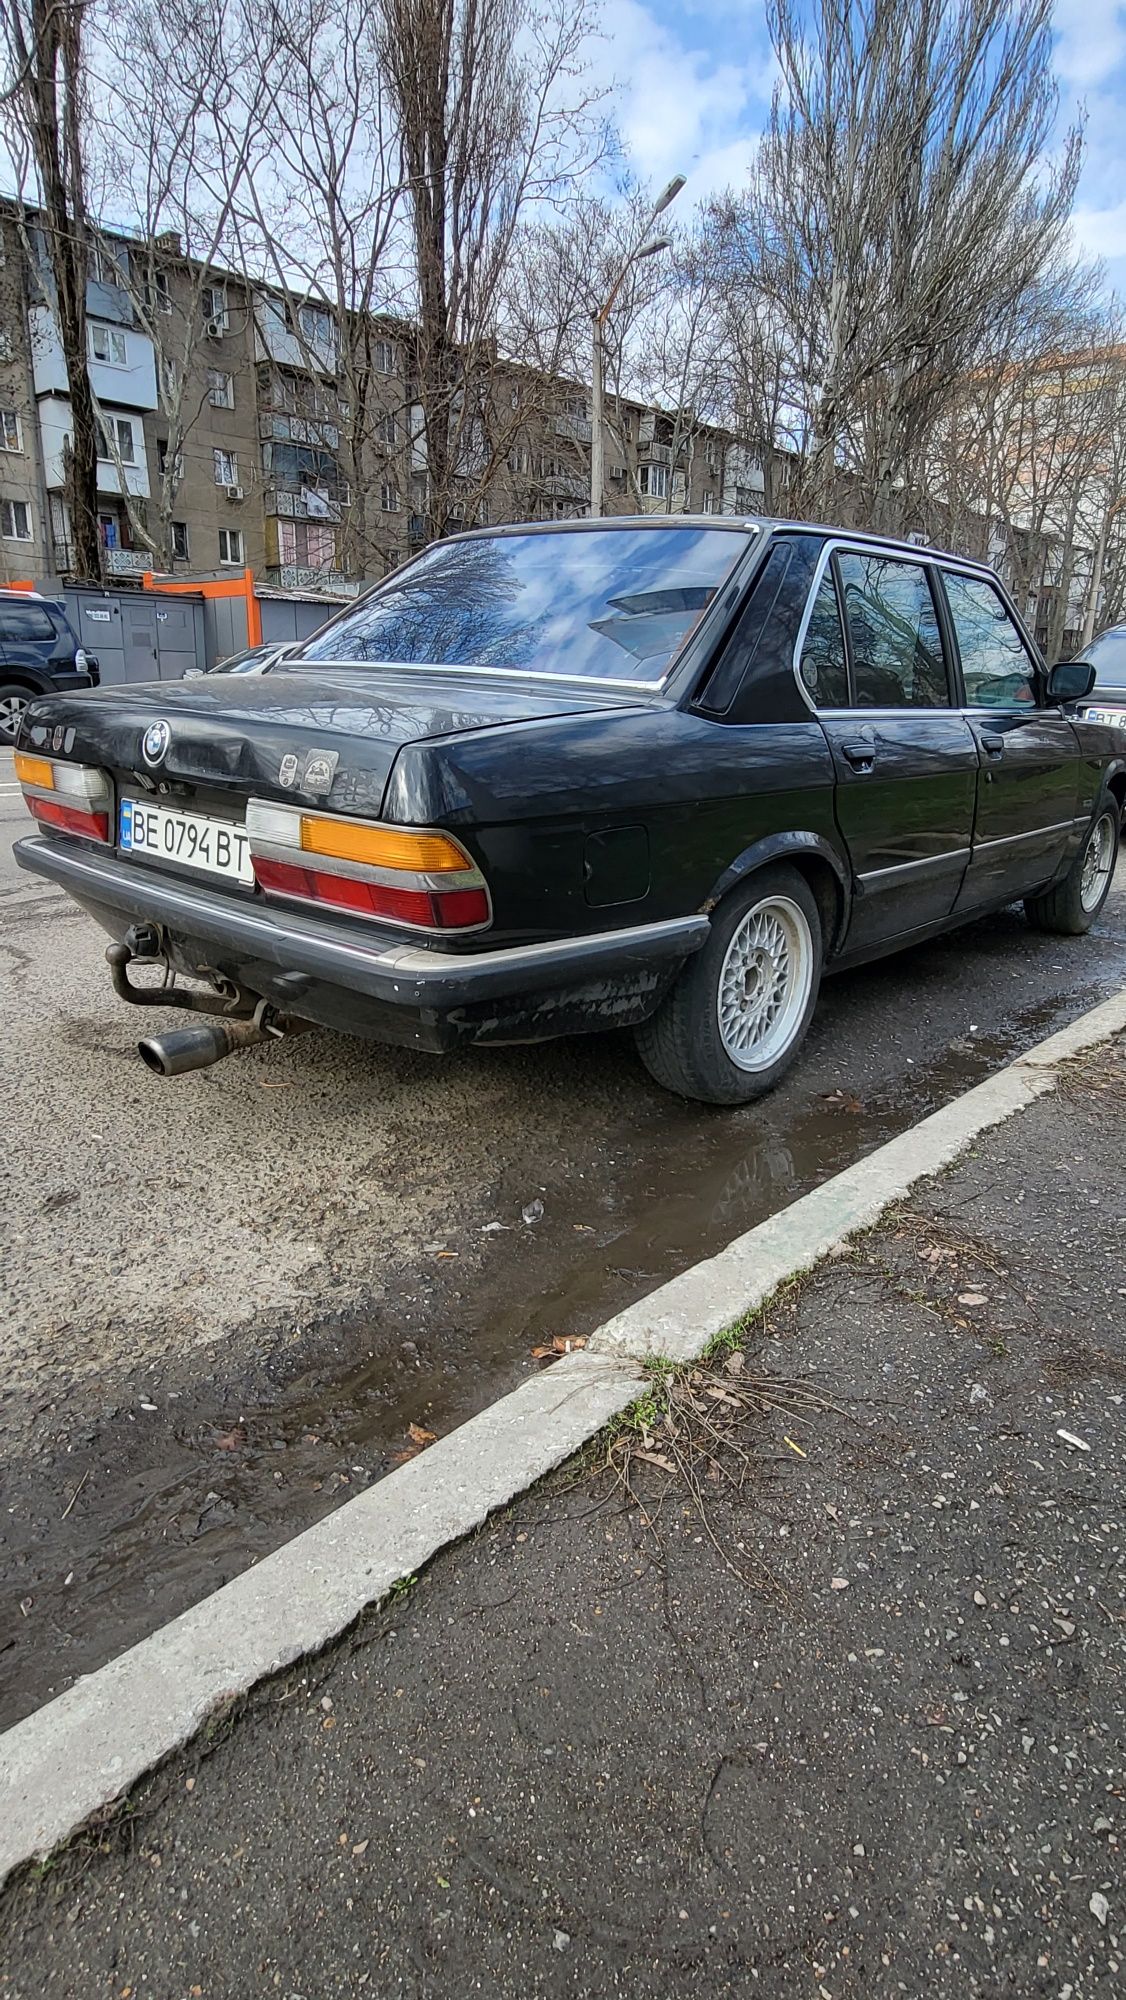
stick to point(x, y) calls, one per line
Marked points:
point(855, 1729)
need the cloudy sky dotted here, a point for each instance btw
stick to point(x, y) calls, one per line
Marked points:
point(696, 77)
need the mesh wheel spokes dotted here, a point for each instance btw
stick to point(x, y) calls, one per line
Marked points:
point(764, 983)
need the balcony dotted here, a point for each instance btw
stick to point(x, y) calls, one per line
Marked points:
point(292, 503)
point(126, 562)
point(416, 528)
point(569, 424)
point(321, 582)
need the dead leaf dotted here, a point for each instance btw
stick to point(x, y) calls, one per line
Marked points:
point(561, 1343)
point(655, 1458)
point(361, 1847)
point(843, 1100)
point(230, 1440)
point(419, 1436)
point(734, 1362)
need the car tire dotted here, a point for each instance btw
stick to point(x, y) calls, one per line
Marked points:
point(1071, 907)
point(14, 698)
point(733, 1023)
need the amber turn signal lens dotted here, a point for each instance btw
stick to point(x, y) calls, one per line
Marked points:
point(383, 846)
point(35, 771)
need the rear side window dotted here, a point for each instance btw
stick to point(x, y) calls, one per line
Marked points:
point(897, 658)
point(824, 664)
point(25, 621)
point(996, 666)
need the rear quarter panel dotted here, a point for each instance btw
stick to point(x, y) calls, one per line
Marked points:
point(536, 802)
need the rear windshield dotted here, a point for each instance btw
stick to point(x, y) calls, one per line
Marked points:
point(1108, 657)
point(604, 604)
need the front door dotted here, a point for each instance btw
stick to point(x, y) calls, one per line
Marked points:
point(1029, 810)
point(905, 758)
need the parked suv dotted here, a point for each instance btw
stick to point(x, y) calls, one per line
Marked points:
point(39, 654)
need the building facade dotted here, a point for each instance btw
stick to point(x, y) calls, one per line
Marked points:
point(243, 427)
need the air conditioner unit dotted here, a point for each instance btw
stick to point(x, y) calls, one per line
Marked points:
point(217, 327)
point(233, 492)
point(617, 472)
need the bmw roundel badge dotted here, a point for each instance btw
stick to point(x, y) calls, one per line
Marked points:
point(154, 742)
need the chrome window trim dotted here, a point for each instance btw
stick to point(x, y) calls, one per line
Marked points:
point(465, 670)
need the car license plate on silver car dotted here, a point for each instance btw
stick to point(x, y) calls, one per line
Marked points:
point(185, 838)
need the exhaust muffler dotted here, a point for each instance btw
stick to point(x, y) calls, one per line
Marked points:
point(208, 1042)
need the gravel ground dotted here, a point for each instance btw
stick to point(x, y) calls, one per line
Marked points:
point(854, 1731)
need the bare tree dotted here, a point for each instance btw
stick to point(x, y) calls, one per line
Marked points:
point(44, 118)
point(897, 203)
point(495, 117)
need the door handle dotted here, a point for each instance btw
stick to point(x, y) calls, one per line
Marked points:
point(860, 753)
point(993, 746)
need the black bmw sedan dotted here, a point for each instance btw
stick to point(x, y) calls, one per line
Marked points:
point(657, 773)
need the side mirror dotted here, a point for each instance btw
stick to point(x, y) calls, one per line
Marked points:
point(1070, 680)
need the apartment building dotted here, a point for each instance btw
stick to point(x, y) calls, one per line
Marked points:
point(244, 427)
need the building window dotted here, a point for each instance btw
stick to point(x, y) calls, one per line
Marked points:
point(389, 497)
point(745, 497)
point(311, 544)
point(169, 380)
point(213, 305)
point(230, 545)
point(10, 437)
point(386, 429)
point(115, 440)
point(109, 263)
point(220, 389)
point(180, 541)
point(15, 521)
point(226, 468)
point(107, 345)
point(161, 299)
point(316, 325)
point(654, 481)
point(173, 463)
point(707, 504)
point(384, 357)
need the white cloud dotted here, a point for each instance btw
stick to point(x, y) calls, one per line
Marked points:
point(685, 109)
point(1090, 40)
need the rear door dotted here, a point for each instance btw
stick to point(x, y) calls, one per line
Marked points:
point(1028, 802)
point(874, 662)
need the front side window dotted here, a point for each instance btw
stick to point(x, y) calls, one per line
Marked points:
point(597, 603)
point(823, 665)
point(1108, 657)
point(897, 659)
point(15, 526)
point(996, 666)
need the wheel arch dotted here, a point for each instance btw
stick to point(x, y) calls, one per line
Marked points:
point(814, 857)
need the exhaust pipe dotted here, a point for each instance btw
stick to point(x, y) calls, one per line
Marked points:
point(198, 1047)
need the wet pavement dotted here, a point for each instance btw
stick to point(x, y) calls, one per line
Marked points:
point(844, 1724)
point(231, 1296)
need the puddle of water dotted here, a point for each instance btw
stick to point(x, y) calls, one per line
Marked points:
point(224, 1485)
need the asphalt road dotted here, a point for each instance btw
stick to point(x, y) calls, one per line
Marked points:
point(228, 1296)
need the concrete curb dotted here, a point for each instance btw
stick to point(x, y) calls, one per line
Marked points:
point(71, 1758)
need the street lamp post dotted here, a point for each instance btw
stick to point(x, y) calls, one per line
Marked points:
point(646, 248)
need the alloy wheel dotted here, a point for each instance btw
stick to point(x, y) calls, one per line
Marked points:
point(11, 713)
point(1098, 862)
point(764, 983)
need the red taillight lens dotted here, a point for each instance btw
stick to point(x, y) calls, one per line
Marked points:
point(68, 819)
point(458, 909)
point(419, 877)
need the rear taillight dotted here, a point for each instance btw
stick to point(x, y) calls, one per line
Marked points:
point(402, 875)
point(75, 798)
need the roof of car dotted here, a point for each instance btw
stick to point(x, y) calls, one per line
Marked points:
point(739, 523)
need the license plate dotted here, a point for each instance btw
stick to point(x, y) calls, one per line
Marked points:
point(1116, 717)
point(187, 839)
